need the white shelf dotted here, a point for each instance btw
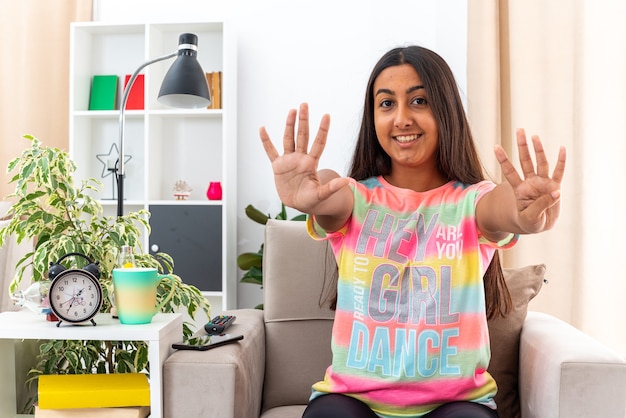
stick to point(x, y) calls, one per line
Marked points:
point(198, 146)
point(129, 114)
point(187, 202)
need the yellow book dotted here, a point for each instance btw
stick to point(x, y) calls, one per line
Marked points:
point(93, 390)
point(120, 412)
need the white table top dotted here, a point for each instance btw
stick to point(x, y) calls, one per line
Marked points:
point(25, 324)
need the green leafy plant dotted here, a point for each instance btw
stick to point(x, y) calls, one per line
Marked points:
point(62, 218)
point(252, 263)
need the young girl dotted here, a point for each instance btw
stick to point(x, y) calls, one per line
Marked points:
point(414, 228)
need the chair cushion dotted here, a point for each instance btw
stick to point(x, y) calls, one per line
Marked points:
point(524, 283)
point(298, 273)
point(291, 411)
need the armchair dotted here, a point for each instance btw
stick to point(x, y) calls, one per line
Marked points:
point(562, 372)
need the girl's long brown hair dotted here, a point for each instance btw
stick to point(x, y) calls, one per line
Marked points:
point(457, 158)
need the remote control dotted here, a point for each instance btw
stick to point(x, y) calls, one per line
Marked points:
point(219, 324)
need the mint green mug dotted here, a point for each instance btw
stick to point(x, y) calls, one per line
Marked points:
point(136, 293)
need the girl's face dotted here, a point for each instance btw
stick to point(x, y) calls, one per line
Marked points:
point(404, 123)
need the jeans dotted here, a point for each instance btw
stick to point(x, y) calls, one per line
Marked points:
point(340, 406)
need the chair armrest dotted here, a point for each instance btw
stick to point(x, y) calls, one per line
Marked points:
point(224, 381)
point(565, 373)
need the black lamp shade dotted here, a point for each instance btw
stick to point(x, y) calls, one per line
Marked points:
point(185, 84)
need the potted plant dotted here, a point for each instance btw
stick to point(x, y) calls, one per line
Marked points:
point(61, 218)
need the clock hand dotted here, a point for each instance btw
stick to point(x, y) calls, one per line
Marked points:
point(70, 300)
point(71, 294)
point(79, 295)
point(72, 303)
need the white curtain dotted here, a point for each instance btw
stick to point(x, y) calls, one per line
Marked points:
point(558, 69)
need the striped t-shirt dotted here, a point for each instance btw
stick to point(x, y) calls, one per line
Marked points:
point(410, 330)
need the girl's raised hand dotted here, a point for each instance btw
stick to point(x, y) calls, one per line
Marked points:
point(295, 172)
point(537, 194)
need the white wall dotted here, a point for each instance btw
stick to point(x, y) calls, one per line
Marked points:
point(291, 51)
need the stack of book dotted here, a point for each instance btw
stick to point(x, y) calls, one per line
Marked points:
point(104, 92)
point(123, 395)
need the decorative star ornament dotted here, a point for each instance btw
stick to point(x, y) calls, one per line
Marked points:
point(109, 160)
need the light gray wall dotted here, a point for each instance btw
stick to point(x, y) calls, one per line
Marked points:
point(291, 51)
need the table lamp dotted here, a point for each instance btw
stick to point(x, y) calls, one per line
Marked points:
point(184, 86)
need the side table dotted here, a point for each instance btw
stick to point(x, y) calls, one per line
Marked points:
point(164, 330)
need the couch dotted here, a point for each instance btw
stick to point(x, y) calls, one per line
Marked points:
point(544, 367)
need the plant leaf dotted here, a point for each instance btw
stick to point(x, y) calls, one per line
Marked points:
point(256, 215)
point(246, 261)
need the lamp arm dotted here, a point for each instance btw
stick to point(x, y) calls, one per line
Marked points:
point(120, 170)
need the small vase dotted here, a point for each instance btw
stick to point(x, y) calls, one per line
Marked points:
point(214, 192)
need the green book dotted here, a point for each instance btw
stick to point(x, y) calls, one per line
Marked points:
point(103, 92)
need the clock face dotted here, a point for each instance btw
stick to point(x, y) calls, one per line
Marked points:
point(75, 296)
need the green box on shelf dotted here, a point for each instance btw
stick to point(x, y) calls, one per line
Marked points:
point(103, 92)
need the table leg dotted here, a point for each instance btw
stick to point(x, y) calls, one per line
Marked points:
point(158, 352)
point(7, 378)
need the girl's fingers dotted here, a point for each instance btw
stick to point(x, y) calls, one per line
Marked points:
point(528, 169)
point(302, 143)
point(299, 143)
point(543, 167)
point(559, 170)
point(269, 148)
point(508, 170)
point(326, 190)
point(320, 139)
point(525, 159)
point(537, 210)
point(288, 137)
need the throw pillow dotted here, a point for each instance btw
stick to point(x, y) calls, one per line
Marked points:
point(524, 283)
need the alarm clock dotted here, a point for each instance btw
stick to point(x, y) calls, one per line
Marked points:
point(75, 294)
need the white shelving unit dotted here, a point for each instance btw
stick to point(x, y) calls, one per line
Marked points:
point(166, 145)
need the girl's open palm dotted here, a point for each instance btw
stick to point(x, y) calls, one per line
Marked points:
point(295, 172)
point(537, 194)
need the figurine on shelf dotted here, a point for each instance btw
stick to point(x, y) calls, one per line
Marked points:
point(109, 163)
point(181, 190)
